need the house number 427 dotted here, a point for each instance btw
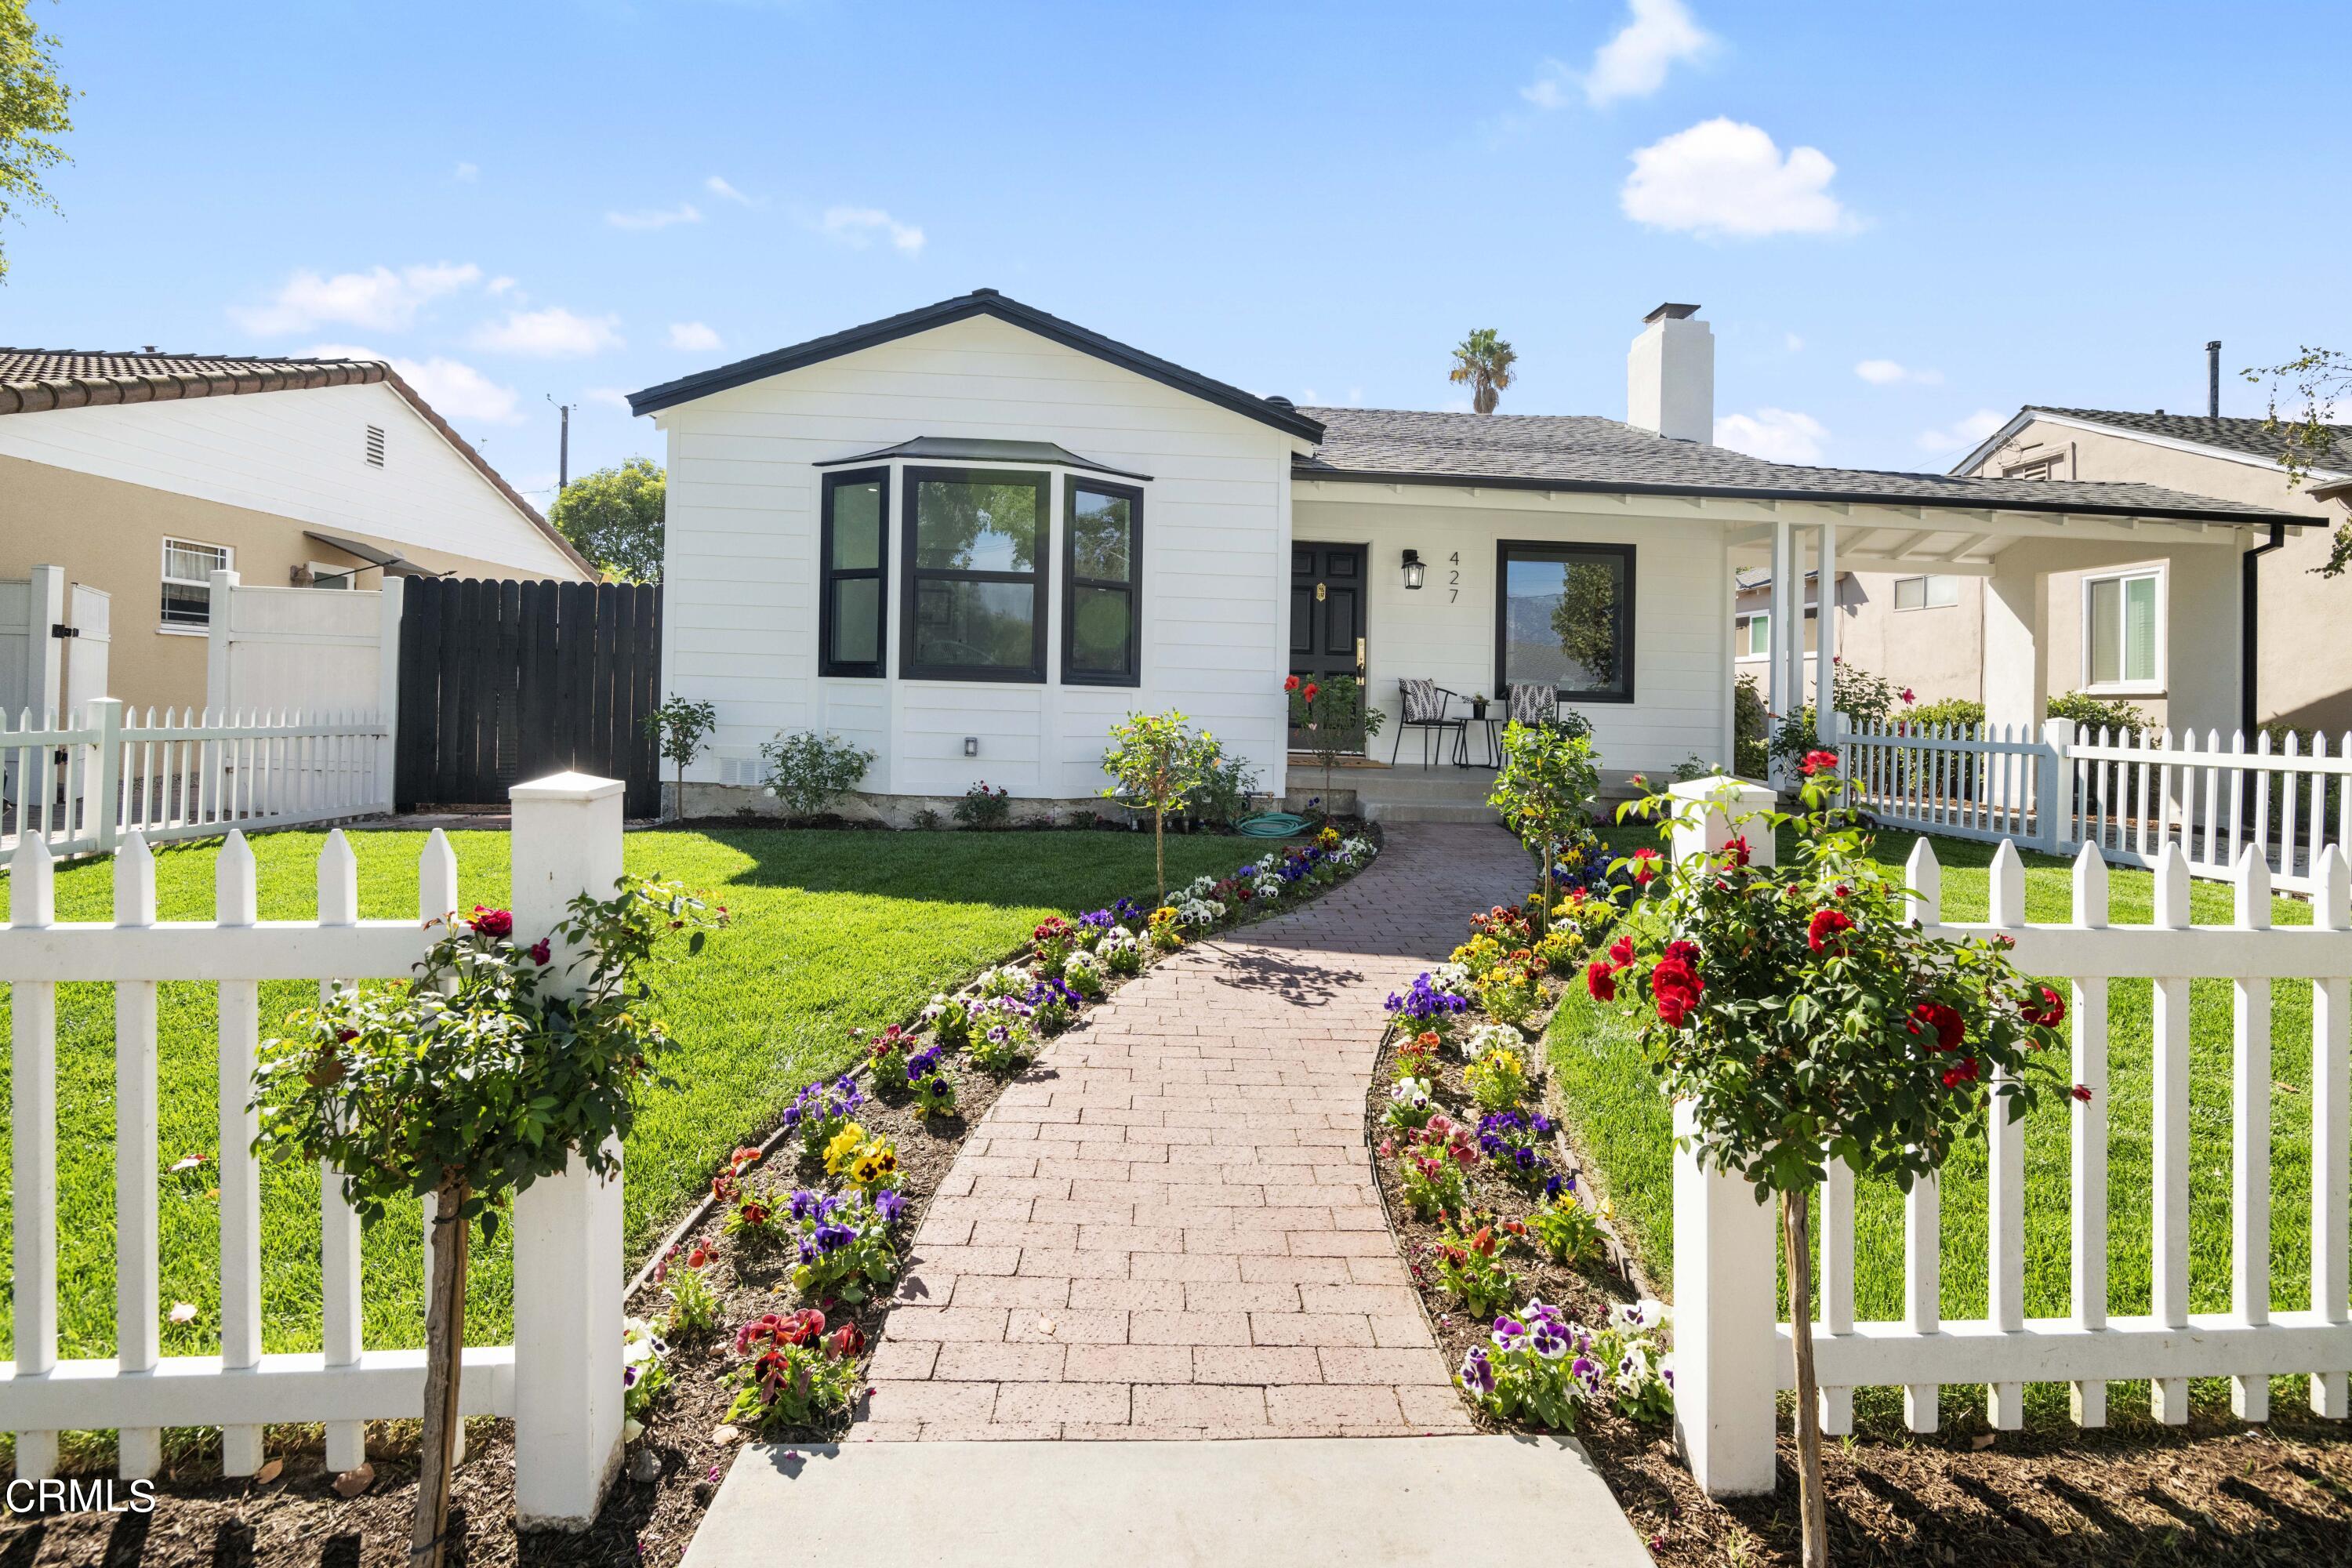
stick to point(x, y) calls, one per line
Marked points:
point(1454, 577)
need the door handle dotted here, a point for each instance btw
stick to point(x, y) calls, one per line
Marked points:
point(1319, 592)
point(1360, 658)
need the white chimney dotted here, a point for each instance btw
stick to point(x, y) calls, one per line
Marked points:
point(1670, 375)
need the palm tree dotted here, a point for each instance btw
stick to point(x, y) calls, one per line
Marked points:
point(1485, 362)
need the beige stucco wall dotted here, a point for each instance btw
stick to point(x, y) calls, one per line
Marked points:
point(109, 535)
point(1937, 652)
point(2303, 674)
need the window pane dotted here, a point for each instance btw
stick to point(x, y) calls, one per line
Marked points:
point(2139, 628)
point(1910, 592)
point(2107, 632)
point(187, 606)
point(984, 625)
point(1561, 617)
point(964, 525)
point(1943, 591)
point(1099, 627)
point(858, 526)
point(194, 562)
point(856, 620)
point(1100, 535)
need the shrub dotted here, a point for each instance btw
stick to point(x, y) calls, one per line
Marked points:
point(1863, 697)
point(1752, 730)
point(1337, 716)
point(807, 770)
point(1155, 762)
point(1949, 711)
point(1545, 784)
point(2094, 714)
point(678, 730)
point(984, 807)
point(1223, 796)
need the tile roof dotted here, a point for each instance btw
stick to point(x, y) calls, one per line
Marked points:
point(34, 380)
point(2249, 437)
point(1584, 452)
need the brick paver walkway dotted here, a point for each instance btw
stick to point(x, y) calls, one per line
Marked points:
point(1168, 1228)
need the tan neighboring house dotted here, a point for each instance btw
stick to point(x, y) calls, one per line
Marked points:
point(140, 474)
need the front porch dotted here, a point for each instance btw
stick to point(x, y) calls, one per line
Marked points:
point(1406, 793)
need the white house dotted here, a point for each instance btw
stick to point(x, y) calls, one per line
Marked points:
point(972, 536)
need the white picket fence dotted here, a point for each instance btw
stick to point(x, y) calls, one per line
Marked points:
point(2127, 793)
point(83, 785)
point(1732, 1358)
point(560, 1380)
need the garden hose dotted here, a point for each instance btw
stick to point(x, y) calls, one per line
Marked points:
point(1273, 825)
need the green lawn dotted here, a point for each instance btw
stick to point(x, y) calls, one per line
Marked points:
point(831, 932)
point(1620, 1120)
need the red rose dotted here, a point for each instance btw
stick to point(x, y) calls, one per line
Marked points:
point(1820, 762)
point(1966, 1072)
point(1291, 684)
point(2049, 1013)
point(1906, 695)
point(1600, 981)
point(1683, 953)
point(1645, 868)
point(1676, 988)
point(542, 950)
point(1822, 933)
point(1950, 1030)
point(1738, 849)
point(496, 923)
point(1621, 953)
point(2081, 1092)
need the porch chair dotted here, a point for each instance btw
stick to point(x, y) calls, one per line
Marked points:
point(1424, 710)
point(1535, 703)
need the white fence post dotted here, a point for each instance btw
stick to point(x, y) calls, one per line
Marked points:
point(102, 796)
point(2331, 1121)
point(567, 1229)
point(33, 1111)
point(2054, 789)
point(45, 658)
point(1725, 1347)
point(137, 1300)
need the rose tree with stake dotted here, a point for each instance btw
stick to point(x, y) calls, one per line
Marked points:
point(1806, 1019)
point(1154, 762)
point(489, 1071)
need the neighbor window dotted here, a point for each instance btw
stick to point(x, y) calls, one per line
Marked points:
point(1756, 634)
point(975, 575)
point(2123, 632)
point(1564, 618)
point(188, 568)
point(854, 555)
point(1102, 608)
point(1925, 593)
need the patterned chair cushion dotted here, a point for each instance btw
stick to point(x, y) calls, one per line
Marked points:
point(1534, 704)
point(1423, 705)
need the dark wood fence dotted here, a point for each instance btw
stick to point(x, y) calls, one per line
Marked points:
point(501, 681)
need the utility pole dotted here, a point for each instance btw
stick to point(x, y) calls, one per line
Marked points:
point(563, 446)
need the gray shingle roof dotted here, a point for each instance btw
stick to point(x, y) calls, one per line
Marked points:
point(2249, 436)
point(1584, 452)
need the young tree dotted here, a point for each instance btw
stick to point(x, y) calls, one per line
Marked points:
point(1339, 717)
point(1806, 1019)
point(613, 517)
point(1155, 760)
point(33, 113)
point(468, 1084)
point(1483, 362)
point(2312, 433)
point(679, 729)
point(1547, 782)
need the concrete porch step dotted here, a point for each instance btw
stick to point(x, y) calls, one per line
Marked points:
point(1428, 811)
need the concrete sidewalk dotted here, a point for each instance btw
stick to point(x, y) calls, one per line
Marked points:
point(1295, 1502)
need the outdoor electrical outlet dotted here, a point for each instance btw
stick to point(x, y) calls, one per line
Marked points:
point(971, 745)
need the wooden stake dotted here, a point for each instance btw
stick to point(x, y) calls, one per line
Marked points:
point(1810, 1500)
point(445, 1353)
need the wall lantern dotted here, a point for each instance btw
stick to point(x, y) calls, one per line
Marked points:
point(1412, 569)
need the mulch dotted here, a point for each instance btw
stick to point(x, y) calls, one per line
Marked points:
point(2053, 1496)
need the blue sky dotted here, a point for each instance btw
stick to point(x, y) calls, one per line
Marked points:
point(1903, 221)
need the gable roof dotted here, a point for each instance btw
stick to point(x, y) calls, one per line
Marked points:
point(1276, 412)
point(34, 380)
point(1585, 452)
point(2237, 439)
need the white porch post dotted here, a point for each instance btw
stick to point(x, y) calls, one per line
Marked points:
point(1779, 691)
point(2016, 644)
point(1827, 721)
point(567, 1229)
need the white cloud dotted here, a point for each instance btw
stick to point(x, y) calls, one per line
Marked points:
point(456, 390)
point(466, 173)
point(552, 334)
point(1887, 373)
point(606, 396)
point(500, 286)
point(1549, 90)
point(1721, 177)
point(692, 336)
point(1659, 34)
point(1777, 435)
point(1796, 344)
point(718, 186)
point(1963, 434)
point(380, 300)
point(656, 217)
point(858, 227)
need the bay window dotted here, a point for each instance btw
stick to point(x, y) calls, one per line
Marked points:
point(1102, 606)
point(853, 556)
point(975, 574)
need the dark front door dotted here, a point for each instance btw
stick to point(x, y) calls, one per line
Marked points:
point(1327, 616)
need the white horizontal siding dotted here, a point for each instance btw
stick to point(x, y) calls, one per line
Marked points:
point(301, 455)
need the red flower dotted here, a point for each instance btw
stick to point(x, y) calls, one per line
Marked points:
point(847, 1341)
point(1738, 850)
point(722, 1187)
point(1682, 953)
point(1621, 953)
point(1676, 988)
point(542, 950)
point(496, 923)
point(2049, 1013)
point(1966, 1072)
point(1945, 1020)
point(1822, 933)
point(1645, 868)
point(746, 1156)
point(1906, 695)
point(1291, 684)
point(699, 1256)
point(1309, 693)
point(1600, 981)
point(805, 1327)
point(754, 1211)
point(1820, 762)
point(2081, 1092)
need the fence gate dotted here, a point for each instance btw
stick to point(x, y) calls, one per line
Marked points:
point(501, 681)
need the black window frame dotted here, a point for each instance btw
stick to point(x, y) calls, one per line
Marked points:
point(911, 481)
point(1071, 582)
point(1540, 549)
point(877, 668)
